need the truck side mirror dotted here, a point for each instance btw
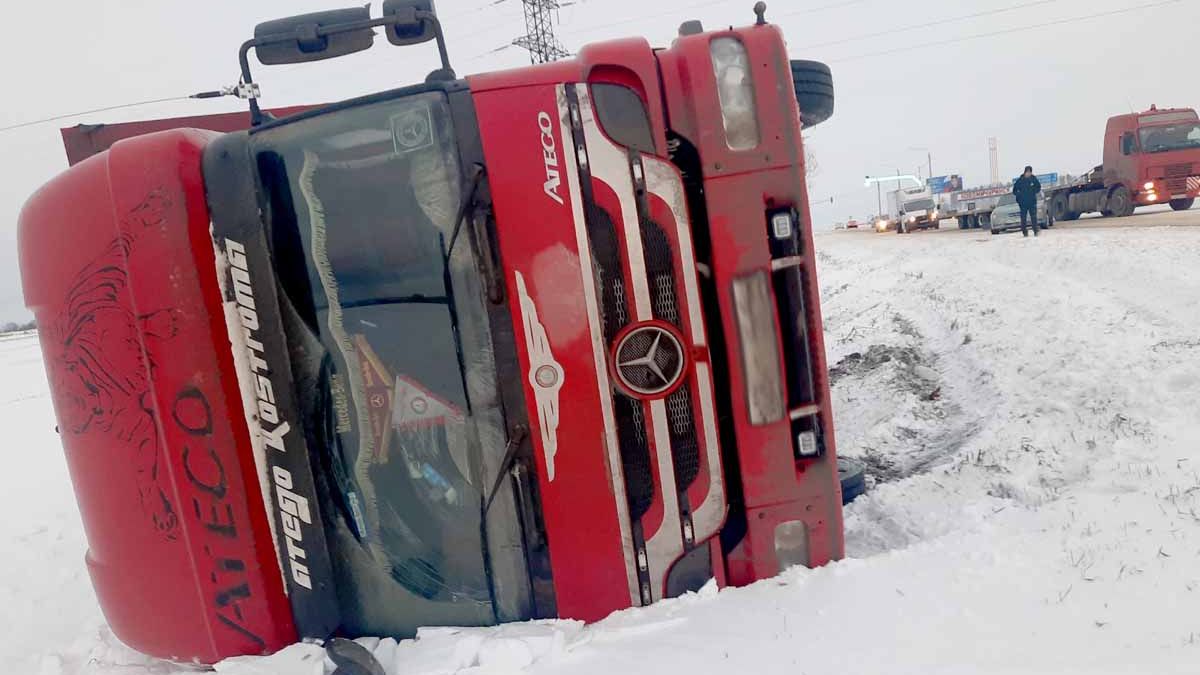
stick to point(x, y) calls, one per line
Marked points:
point(301, 39)
point(409, 29)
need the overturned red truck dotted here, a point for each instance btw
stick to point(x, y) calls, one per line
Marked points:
point(535, 343)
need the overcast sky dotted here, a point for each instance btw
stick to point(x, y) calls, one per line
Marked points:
point(1044, 93)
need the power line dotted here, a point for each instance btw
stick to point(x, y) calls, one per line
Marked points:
point(642, 17)
point(488, 4)
point(489, 28)
point(1007, 31)
point(702, 5)
point(929, 24)
point(55, 118)
point(822, 8)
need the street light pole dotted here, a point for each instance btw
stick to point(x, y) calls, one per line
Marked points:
point(928, 158)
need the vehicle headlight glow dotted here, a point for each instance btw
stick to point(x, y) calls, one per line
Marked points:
point(1148, 186)
point(735, 89)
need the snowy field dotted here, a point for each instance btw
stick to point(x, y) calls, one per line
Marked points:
point(1028, 408)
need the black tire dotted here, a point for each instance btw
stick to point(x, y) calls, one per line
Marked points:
point(962, 222)
point(1182, 204)
point(1059, 207)
point(995, 231)
point(853, 476)
point(814, 91)
point(1120, 202)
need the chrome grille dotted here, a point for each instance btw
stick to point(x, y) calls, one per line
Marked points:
point(1176, 176)
point(660, 266)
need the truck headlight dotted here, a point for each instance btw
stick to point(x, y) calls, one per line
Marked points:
point(1149, 185)
point(761, 365)
point(735, 88)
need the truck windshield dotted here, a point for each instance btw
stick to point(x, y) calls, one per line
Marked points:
point(363, 203)
point(1167, 137)
point(925, 204)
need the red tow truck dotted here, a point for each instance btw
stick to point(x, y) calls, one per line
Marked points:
point(1150, 158)
point(536, 343)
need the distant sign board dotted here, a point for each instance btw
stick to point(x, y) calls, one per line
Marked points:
point(1046, 179)
point(984, 193)
point(941, 185)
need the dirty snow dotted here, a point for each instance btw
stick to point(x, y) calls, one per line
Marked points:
point(1028, 411)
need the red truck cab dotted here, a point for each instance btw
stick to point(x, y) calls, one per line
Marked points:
point(1155, 156)
point(1150, 158)
point(537, 343)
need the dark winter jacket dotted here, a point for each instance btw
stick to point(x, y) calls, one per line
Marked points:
point(1026, 189)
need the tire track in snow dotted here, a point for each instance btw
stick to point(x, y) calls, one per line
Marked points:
point(1048, 374)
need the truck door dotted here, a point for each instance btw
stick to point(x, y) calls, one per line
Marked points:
point(1121, 152)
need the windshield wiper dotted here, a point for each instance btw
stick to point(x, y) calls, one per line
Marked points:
point(347, 495)
point(466, 204)
point(485, 261)
point(415, 299)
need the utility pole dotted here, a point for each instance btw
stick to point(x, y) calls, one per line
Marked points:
point(994, 158)
point(539, 38)
point(879, 200)
point(928, 159)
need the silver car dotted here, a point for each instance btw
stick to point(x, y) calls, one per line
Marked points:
point(1007, 214)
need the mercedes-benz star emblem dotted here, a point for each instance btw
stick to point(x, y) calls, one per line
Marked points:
point(649, 360)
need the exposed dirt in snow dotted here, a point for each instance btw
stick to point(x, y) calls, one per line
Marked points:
point(1026, 408)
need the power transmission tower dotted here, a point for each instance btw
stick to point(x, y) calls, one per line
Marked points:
point(539, 37)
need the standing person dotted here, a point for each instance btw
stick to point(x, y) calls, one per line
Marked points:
point(1026, 189)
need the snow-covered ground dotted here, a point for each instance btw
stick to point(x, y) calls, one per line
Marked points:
point(1028, 408)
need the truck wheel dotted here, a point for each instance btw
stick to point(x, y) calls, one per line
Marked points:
point(1182, 204)
point(1120, 202)
point(853, 477)
point(994, 231)
point(814, 91)
point(1058, 207)
point(962, 222)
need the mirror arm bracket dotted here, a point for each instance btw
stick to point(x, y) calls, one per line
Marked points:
point(251, 90)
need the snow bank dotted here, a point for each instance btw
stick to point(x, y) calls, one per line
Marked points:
point(1027, 409)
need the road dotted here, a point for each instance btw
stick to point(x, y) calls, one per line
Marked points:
point(1158, 216)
